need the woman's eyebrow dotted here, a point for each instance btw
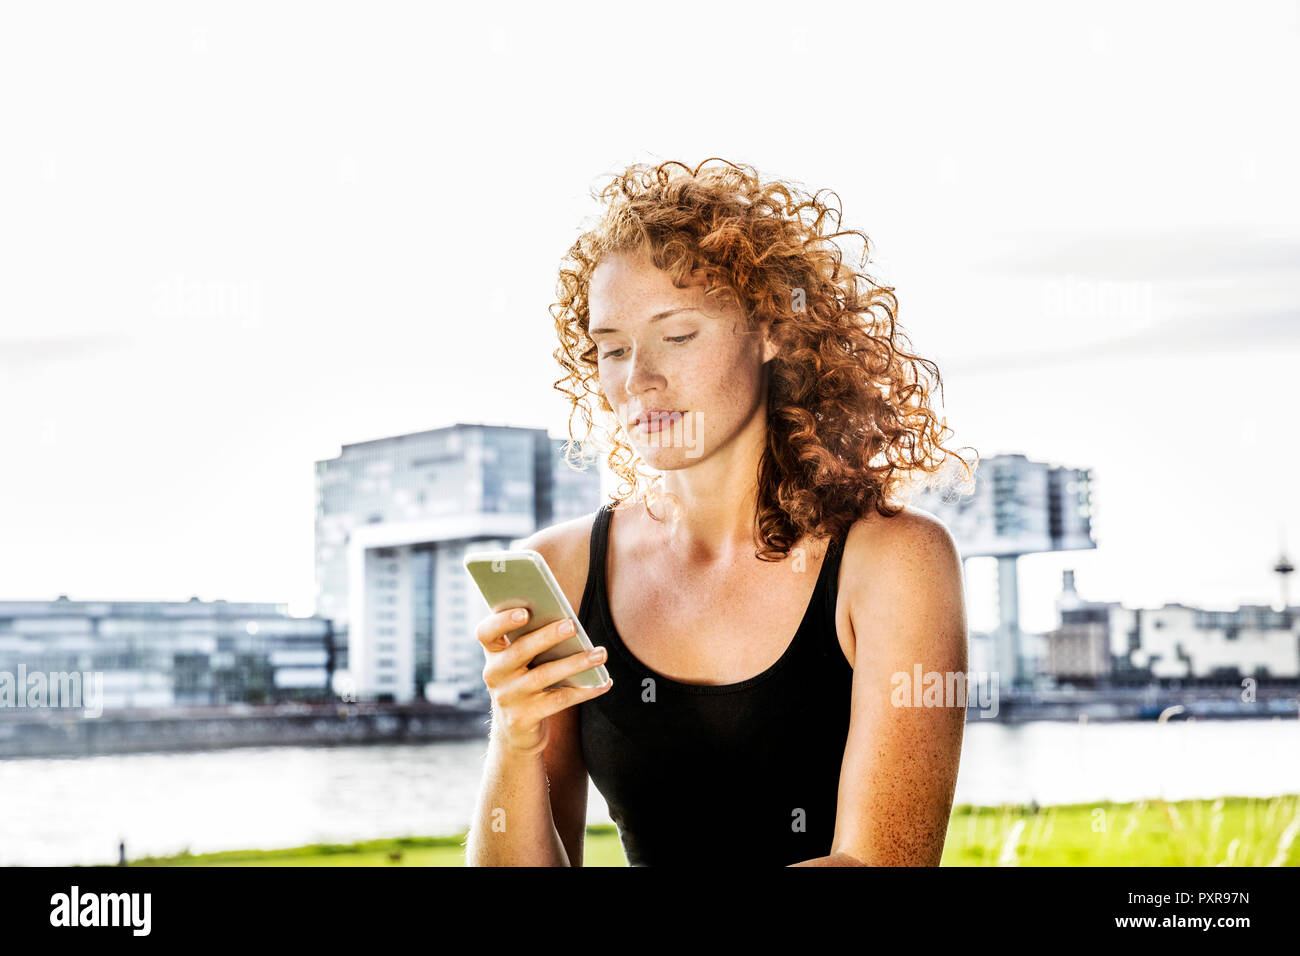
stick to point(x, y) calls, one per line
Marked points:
point(654, 318)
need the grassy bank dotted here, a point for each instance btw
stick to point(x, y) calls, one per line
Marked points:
point(1231, 831)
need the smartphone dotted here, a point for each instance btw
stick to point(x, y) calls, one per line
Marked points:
point(510, 579)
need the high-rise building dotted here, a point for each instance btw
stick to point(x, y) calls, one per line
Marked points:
point(394, 519)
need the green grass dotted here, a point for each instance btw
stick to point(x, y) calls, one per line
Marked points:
point(1230, 831)
point(601, 848)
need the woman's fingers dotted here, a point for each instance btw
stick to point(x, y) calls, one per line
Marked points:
point(541, 677)
point(492, 630)
point(524, 697)
point(535, 708)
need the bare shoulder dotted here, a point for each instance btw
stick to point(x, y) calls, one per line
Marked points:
point(912, 532)
point(566, 547)
point(913, 548)
point(904, 584)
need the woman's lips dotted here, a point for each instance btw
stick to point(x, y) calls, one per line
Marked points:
point(658, 420)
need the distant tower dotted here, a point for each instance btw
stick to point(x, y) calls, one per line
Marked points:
point(1018, 507)
point(1069, 597)
point(1282, 569)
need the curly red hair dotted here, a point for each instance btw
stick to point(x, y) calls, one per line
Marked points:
point(848, 408)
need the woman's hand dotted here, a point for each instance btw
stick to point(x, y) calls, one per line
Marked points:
point(521, 701)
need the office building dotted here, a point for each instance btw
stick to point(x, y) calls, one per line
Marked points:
point(394, 519)
point(171, 653)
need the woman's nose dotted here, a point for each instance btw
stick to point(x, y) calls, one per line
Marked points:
point(642, 373)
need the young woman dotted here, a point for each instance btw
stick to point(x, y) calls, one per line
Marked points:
point(757, 600)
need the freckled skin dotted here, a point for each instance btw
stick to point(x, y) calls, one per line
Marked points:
point(900, 765)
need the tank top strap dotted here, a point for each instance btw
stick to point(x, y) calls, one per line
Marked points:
point(595, 561)
point(829, 585)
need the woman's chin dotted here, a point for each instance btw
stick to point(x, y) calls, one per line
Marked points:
point(668, 459)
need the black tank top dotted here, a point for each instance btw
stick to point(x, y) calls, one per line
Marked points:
point(707, 775)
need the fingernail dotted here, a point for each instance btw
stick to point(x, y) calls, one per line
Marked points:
point(519, 615)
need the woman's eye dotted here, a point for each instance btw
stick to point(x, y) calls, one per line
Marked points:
point(675, 339)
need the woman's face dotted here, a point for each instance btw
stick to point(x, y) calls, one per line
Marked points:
point(675, 351)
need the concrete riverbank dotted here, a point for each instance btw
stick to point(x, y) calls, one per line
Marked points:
point(55, 733)
point(1141, 703)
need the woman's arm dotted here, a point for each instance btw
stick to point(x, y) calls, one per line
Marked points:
point(835, 859)
point(900, 762)
point(532, 808)
point(512, 821)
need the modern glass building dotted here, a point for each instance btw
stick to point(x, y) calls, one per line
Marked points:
point(171, 653)
point(394, 518)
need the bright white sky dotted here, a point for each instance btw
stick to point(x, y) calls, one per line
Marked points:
point(236, 236)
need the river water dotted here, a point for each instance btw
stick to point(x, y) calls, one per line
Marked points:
point(69, 810)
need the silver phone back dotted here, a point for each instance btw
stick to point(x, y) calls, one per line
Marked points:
point(521, 578)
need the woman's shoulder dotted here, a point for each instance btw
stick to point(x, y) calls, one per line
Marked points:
point(875, 541)
point(909, 519)
point(903, 585)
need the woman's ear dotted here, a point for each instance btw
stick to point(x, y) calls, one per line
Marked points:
point(770, 348)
